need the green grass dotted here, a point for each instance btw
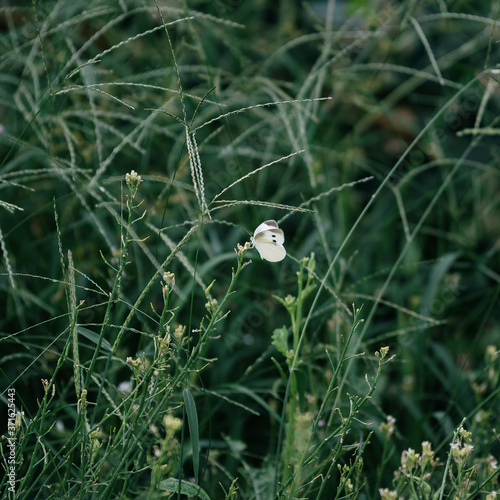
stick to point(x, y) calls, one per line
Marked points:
point(146, 352)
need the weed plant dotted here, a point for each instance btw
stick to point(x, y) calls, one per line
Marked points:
point(146, 351)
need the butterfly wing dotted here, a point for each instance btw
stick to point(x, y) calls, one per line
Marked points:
point(268, 239)
point(266, 226)
point(272, 235)
point(269, 244)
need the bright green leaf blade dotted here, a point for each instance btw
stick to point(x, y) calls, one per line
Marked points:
point(191, 490)
point(280, 340)
point(94, 338)
point(192, 417)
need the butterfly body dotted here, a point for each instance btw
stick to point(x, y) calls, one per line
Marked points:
point(268, 239)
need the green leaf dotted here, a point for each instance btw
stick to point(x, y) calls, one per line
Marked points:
point(189, 489)
point(430, 296)
point(192, 417)
point(280, 340)
point(93, 337)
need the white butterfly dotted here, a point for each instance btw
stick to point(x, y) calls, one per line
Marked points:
point(268, 239)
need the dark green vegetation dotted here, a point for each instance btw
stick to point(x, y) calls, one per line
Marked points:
point(139, 353)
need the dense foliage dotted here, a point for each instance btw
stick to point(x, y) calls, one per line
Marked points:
point(145, 348)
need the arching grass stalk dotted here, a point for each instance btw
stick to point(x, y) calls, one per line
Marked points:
point(216, 309)
point(39, 420)
point(336, 438)
point(295, 465)
point(133, 180)
point(294, 307)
